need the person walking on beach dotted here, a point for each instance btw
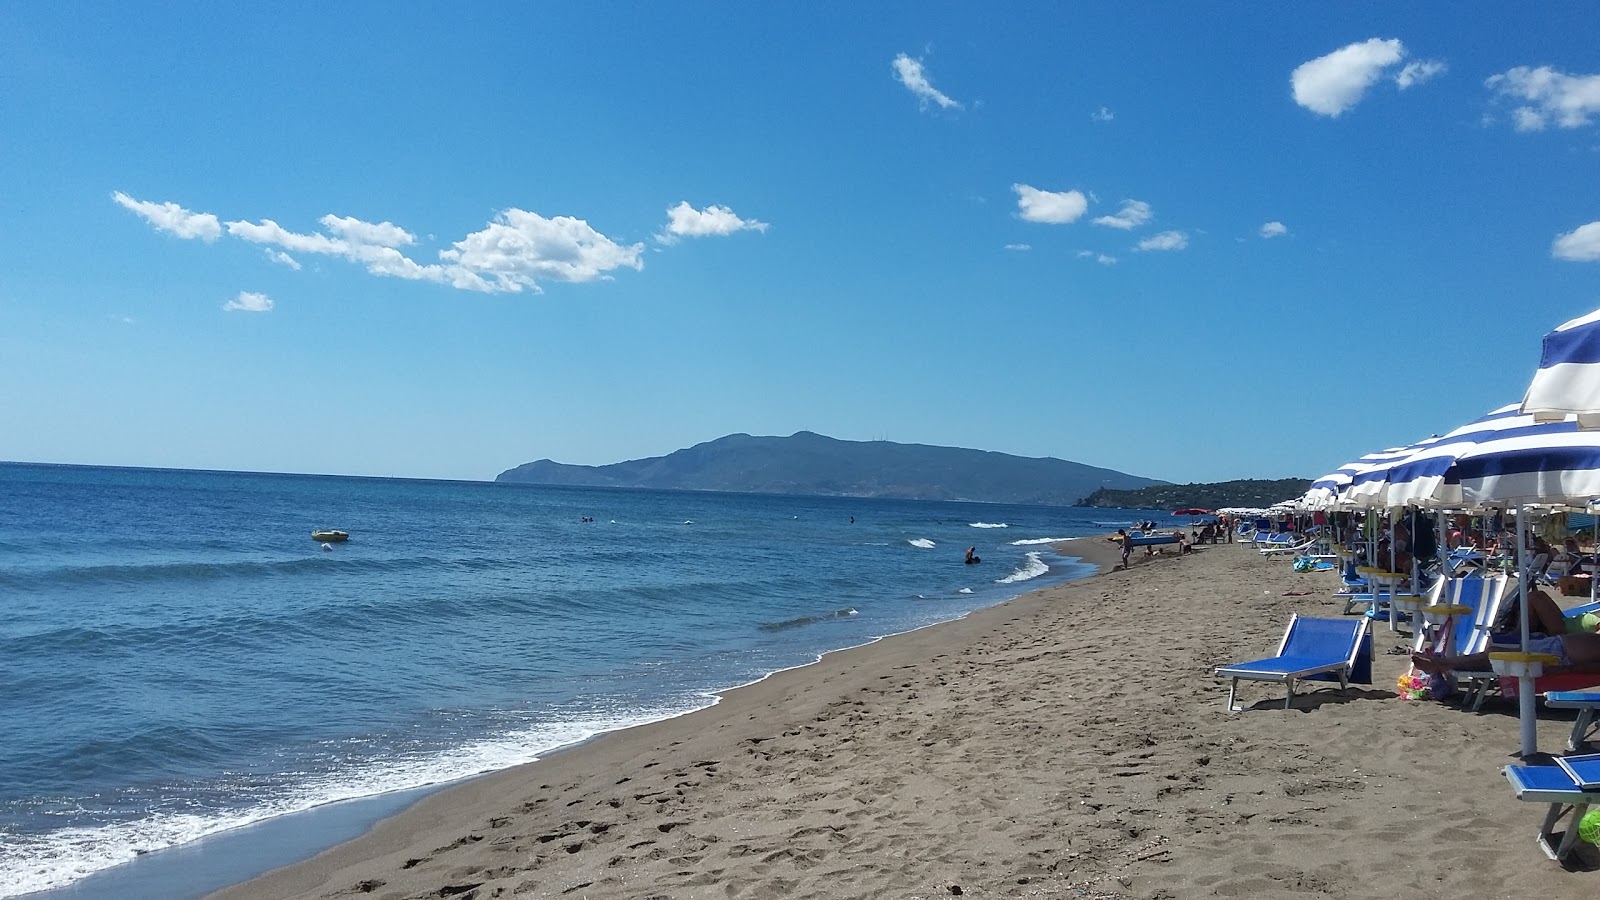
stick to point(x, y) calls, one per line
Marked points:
point(1127, 544)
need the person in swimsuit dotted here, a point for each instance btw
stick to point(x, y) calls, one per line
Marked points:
point(1576, 652)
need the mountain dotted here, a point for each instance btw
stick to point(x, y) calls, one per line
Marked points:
point(1249, 493)
point(814, 464)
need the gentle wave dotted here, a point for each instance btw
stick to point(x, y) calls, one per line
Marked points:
point(319, 564)
point(808, 620)
point(1032, 541)
point(37, 862)
point(1032, 567)
point(964, 591)
point(924, 543)
point(988, 525)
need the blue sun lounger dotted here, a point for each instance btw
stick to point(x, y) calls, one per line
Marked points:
point(1314, 649)
point(1560, 787)
point(1585, 702)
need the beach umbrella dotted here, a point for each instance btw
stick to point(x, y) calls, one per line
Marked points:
point(1553, 463)
point(1568, 379)
point(1328, 492)
point(1192, 511)
point(1428, 476)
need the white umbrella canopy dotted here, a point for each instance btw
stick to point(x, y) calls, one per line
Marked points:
point(1329, 491)
point(1428, 476)
point(1555, 463)
point(1568, 379)
point(1552, 463)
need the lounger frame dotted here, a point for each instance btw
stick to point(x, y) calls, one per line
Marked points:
point(1552, 785)
point(1585, 702)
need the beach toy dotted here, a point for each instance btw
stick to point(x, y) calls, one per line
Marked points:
point(1589, 621)
point(1589, 827)
point(1422, 686)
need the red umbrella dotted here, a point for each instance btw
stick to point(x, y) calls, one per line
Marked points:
point(1192, 511)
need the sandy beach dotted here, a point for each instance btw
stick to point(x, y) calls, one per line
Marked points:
point(1070, 743)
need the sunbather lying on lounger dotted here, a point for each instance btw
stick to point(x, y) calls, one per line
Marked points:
point(1544, 616)
point(1579, 652)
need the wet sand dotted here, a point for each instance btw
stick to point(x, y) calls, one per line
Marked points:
point(1070, 743)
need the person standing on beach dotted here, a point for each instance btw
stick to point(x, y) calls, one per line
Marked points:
point(1127, 544)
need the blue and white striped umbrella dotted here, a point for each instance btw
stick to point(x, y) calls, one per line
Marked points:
point(1428, 475)
point(1568, 380)
point(1328, 492)
point(1369, 485)
point(1555, 462)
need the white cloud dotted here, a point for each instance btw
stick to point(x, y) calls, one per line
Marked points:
point(1100, 258)
point(1166, 240)
point(1548, 95)
point(909, 72)
point(1274, 229)
point(1582, 244)
point(521, 247)
point(1055, 208)
point(1330, 85)
point(249, 301)
point(1102, 115)
point(1019, 246)
point(1416, 73)
point(516, 251)
point(172, 218)
point(684, 220)
point(1133, 214)
point(383, 234)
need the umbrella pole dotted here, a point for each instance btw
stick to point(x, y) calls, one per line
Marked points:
point(1525, 699)
point(1441, 543)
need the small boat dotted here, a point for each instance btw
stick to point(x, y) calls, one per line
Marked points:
point(330, 537)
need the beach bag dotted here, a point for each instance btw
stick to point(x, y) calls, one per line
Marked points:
point(1424, 686)
point(1304, 564)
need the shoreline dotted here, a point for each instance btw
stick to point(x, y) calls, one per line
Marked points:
point(291, 879)
point(1070, 742)
point(213, 863)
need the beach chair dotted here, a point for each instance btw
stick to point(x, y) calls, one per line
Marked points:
point(1557, 786)
point(1585, 702)
point(1284, 545)
point(1311, 649)
point(1484, 595)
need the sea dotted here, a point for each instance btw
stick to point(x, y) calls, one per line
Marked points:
point(180, 660)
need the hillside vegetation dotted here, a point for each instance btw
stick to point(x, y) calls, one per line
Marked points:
point(1249, 492)
point(813, 464)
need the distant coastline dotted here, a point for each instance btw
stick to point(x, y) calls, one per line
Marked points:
point(809, 464)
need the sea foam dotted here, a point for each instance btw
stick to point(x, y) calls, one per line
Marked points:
point(988, 524)
point(1028, 542)
point(924, 543)
point(1032, 567)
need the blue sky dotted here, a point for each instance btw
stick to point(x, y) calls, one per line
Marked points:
point(1189, 242)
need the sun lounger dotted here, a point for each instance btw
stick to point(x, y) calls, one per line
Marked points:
point(1483, 682)
point(1287, 548)
point(1484, 595)
point(1555, 785)
point(1585, 702)
point(1314, 649)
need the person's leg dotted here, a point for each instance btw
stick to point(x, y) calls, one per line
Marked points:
point(1583, 649)
point(1438, 665)
point(1544, 615)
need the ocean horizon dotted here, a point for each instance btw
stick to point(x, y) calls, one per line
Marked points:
point(183, 660)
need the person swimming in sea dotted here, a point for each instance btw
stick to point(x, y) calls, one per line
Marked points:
point(971, 558)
